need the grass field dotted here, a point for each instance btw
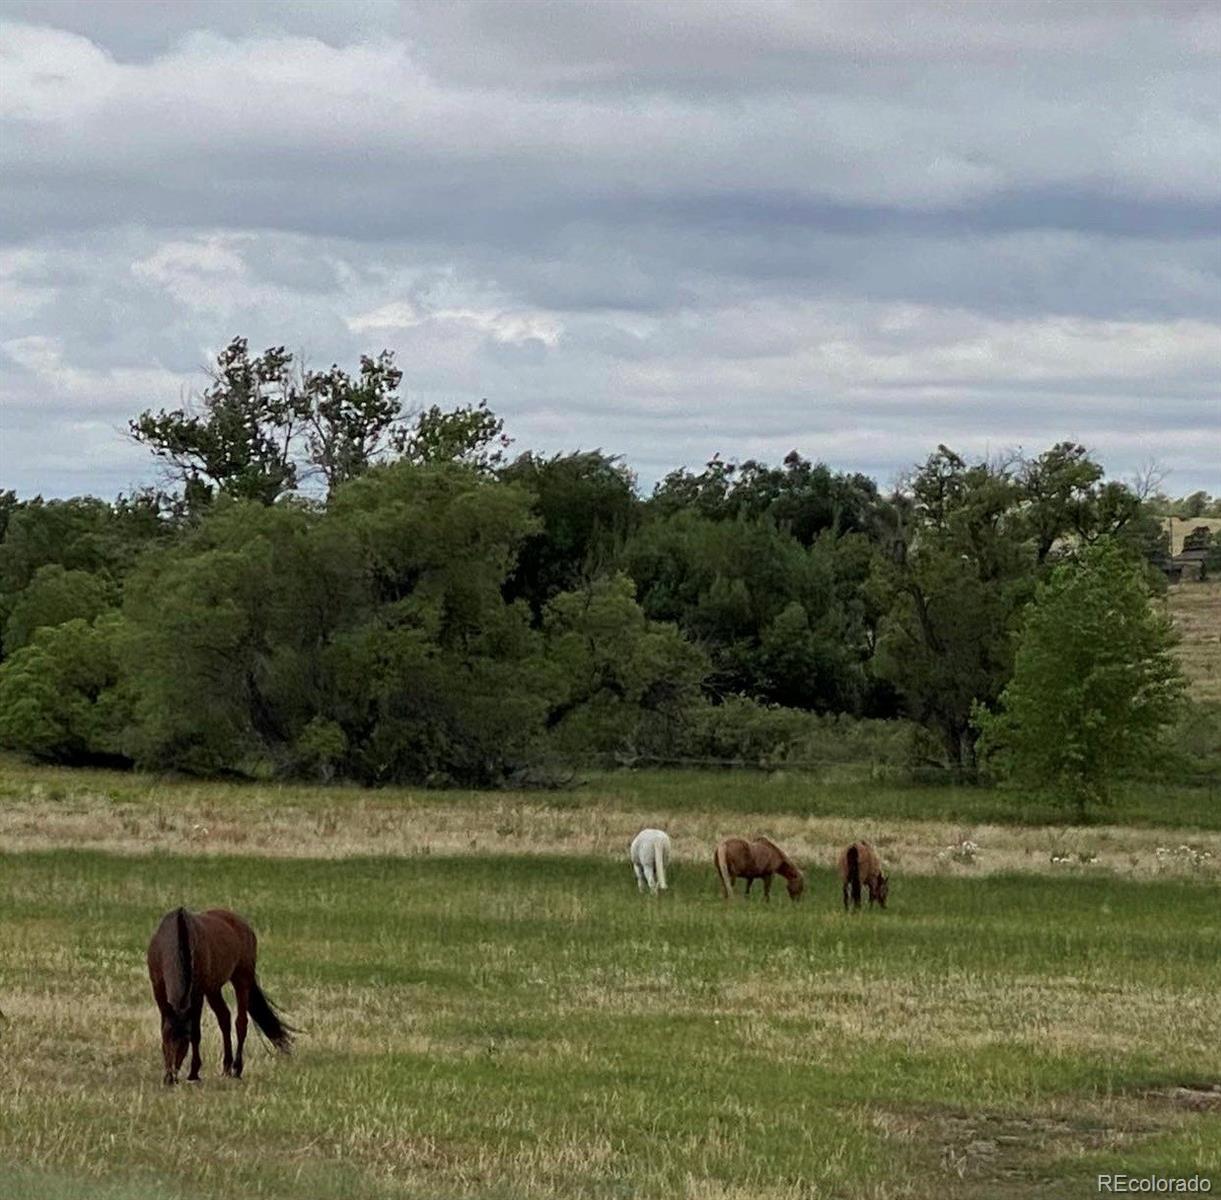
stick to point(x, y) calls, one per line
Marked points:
point(1196, 608)
point(490, 1009)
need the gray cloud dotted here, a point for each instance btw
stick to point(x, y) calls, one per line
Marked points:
point(855, 228)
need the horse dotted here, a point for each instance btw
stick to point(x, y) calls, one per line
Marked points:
point(190, 959)
point(649, 854)
point(858, 864)
point(760, 859)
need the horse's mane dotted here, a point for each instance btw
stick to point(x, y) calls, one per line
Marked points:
point(787, 863)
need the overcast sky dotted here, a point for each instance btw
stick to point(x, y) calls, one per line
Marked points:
point(666, 229)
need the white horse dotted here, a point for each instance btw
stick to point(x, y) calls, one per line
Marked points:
point(650, 852)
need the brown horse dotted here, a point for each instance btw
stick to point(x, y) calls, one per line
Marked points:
point(760, 859)
point(190, 959)
point(858, 864)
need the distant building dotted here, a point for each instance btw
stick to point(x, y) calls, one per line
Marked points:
point(1189, 565)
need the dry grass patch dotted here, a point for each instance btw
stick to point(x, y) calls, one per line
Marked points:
point(1196, 609)
point(203, 822)
point(1054, 1151)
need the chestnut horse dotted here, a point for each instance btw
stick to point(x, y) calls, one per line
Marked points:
point(760, 859)
point(858, 864)
point(190, 959)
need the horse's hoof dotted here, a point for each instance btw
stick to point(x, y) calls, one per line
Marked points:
point(169, 1081)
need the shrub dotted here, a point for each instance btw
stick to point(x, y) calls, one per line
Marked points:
point(60, 698)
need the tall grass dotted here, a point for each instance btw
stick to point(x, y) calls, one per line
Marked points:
point(836, 792)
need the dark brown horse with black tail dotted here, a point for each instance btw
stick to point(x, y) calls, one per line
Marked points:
point(858, 864)
point(190, 959)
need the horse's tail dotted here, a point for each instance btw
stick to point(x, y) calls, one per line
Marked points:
point(183, 936)
point(269, 1020)
point(722, 867)
point(659, 863)
point(854, 872)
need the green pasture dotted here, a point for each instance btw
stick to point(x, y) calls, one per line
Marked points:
point(841, 790)
point(847, 791)
point(513, 1027)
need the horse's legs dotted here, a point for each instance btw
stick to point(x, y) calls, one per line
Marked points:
point(767, 886)
point(845, 890)
point(649, 877)
point(169, 1048)
point(196, 1061)
point(749, 883)
point(216, 1001)
point(168, 1040)
point(241, 990)
point(640, 884)
point(180, 1052)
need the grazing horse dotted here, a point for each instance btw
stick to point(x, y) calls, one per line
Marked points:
point(649, 854)
point(858, 864)
point(760, 859)
point(190, 959)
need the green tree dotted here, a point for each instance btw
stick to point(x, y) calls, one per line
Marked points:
point(471, 434)
point(802, 498)
point(963, 546)
point(740, 587)
point(52, 597)
point(1094, 684)
point(1066, 503)
point(1196, 504)
point(1060, 494)
point(443, 680)
point(629, 684)
point(352, 423)
point(83, 537)
point(262, 426)
point(9, 504)
point(61, 697)
point(78, 534)
point(240, 438)
point(227, 632)
point(959, 570)
point(587, 506)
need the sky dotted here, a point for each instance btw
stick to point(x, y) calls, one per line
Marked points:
point(668, 230)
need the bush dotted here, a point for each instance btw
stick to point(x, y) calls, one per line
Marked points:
point(1193, 745)
point(319, 749)
point(59, 696)
point(741, 731)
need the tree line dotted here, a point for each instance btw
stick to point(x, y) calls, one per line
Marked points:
point(331, 585)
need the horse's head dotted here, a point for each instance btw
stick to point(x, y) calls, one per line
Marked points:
point(881, 889)
point(796, 885)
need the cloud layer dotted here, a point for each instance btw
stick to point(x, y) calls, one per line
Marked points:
point(856, 229)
